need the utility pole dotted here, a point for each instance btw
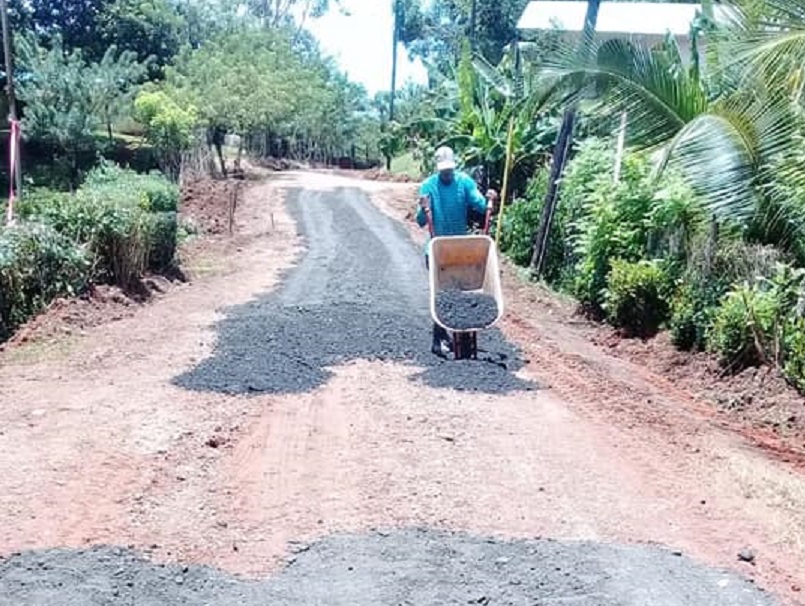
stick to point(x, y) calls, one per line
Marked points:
point(396, 40)
point(561, 151)
point(14, 148)
point(473, 19)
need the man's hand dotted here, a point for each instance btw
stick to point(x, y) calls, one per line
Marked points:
point(424, 202)
point(492, 197)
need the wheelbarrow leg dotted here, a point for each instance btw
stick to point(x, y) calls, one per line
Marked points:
point(464, 346)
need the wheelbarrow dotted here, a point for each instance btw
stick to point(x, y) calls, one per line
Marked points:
point(470, 264)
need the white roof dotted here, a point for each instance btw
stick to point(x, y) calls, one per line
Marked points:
point(647, 18)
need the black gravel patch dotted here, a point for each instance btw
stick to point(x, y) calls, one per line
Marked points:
point(359, 292)
point(421, 567)
point(463, 310)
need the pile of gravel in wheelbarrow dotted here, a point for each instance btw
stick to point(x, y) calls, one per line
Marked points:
point(463, 310)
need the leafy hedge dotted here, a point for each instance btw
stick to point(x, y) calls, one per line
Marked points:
point(37, 265)
point(636, 297)
point(115, 227)
point(643, 254)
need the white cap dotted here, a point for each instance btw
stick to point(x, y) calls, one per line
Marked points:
point(445, 159)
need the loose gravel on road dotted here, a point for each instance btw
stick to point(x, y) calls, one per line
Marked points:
point(461, 310)
point(360, 291)
point(403, 567)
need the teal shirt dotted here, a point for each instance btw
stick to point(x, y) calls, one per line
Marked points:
point(450, 204)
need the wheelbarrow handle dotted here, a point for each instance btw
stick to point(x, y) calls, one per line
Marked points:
point(424, 202)
point(491, 198)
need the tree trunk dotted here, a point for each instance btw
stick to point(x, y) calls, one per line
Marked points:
point(240, 152)
point(560, 153)
point(220, 153)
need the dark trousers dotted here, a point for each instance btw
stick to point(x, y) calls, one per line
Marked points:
point(439, 333)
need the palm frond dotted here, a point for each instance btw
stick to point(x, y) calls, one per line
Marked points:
point(725, 153)
point(766, 46)
point(630, 76)
point(493, 76)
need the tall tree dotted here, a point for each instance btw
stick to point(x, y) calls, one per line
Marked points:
point(150, 28)
point(75, 22)
point(58, 96)
point(434, 30)
point(113, 79)
point(274, 13)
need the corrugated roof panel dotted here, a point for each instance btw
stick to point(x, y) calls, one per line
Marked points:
point(613, 17)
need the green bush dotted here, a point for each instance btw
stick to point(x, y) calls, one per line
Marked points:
point(521, 219)
point(635, 298)
point(37, 265)
point(152, 191)
point(794, 352)
point(122, 244)
point(692, 310)
point(611, 222)
point(127, 221)
point(168, 127)
point(164, 237)
point(743, 327)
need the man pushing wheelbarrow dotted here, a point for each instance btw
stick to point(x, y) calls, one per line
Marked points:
point(445, 201)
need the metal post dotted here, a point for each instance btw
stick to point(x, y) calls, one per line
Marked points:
point(619, 152)
point(561, 150)
point(396, 40)
point(16, 178)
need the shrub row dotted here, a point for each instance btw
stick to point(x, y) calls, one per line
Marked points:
point(641, 254)
point(115, 227)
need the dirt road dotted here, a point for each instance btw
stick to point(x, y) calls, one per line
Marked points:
point(279, 432)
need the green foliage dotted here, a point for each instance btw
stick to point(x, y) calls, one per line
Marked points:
point(520, 221)
point(794, 366)
point(636, 297)
point(754, 321)
point(153, 192)
point(611, 224)
point(113, 79)
point(125, 221)
point(692, 310)
point(168, 127)
point(259, 84)
point(598, 219)
point(151, 30)
point(74, 21)
point(37, 265)
point(434, 31)
point(741, 327)
point(59, 100)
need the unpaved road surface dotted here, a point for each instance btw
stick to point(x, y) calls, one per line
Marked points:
point(278, 432)
point(359, 293)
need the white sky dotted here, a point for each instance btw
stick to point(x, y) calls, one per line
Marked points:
point(361, 43)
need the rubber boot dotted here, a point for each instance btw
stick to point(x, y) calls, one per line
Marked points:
point(439, 336)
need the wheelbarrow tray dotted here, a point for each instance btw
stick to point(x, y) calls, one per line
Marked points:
point(468, 263)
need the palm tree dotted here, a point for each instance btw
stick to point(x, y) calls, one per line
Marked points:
point(562, 147)
point(727, 132)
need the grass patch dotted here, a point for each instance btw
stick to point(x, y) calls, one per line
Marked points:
point(406, 165)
